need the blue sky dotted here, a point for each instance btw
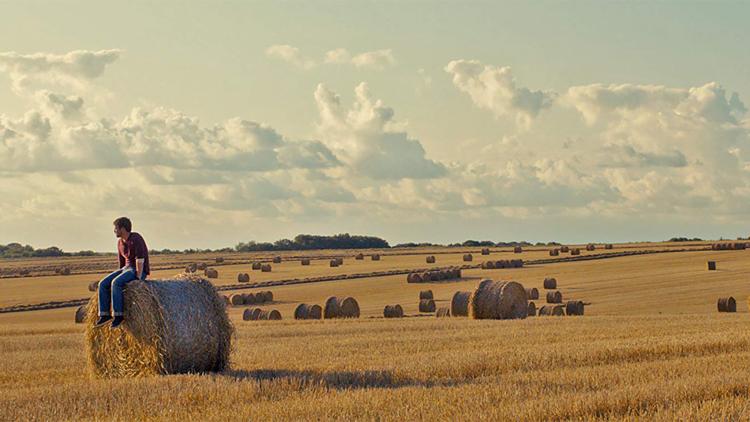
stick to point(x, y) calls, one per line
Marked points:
point(639, 134)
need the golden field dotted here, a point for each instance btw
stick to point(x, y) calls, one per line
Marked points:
point(651, 346)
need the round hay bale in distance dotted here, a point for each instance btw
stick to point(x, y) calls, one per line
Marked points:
point(460, 304)
point(211, 273)
point(277, 260)
point(498, 300)
point(426, 294)
point(201, 266)
point(550, 283)
point(575, 251)
point(191, 268)
point(485, 251)
point(306, 311)
point(171, 327)
point(265, 268)
point(333, 263)
point(375, 257)
point(712, 265)
point(727, 304)
point(257, 265)
point(219, 260)
point(430, 259)
point(517, 249)
point(532, 293)
point(564, 249)
point(251, 314)
point(93, 286)
point(574, 307)
point(359, 257)
point(552, 310)
point(554, 297)
point(269, 315)
point(531, 309)
point(243, 278)
point(426, 305)
point(413, 278)
point(305, 261)
point(237, 299)
point(468, 257)
point(341, 307)
point(80, 314)
point(393, 311)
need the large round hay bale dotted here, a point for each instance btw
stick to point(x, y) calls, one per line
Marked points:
point(237, 299)
point(532, 293)
point(426, 276)
point(413, 278)
point(211, 273)
point(574, 307)
point(488, 265)
point(498, 300)
point(516, 263)
point(266, 268)
point(251, 314)
point(305, 261)
point(554, 297)
point(426, 305)
point(334, 263)
point(426, 294)
point(306, 311)
point(267, 296)
point(250, 298)
point(375, 257)
point(191, 268)
point(341, 307)
point(201, 266)
point(269, 314)
point(243, 278)
point(727, 304)
point(550, 283)
point(556, 310)
point(443, 312)
point(485, 251)
point(393, 311)
point(460, 304)
point(80, 314)
point(430, 259)
point(219, 260)
point(531, 309)
point(171, 326)
point(359, 257)
point(468, 257)
point(93, 286)
point(277, 260)
point(257, 265)
point(712, 265)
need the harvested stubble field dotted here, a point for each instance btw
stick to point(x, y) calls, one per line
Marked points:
point(651, 345)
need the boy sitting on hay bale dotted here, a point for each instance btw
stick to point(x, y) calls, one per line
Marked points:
point(133, 258)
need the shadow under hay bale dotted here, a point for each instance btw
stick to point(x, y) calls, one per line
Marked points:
point(498, 300)
point(531, 309)
point(430, 259)
point(243, 278)
point(727, 304)
point(93, 286)
point(554, 297)
point(712, 265)
point(460, 304)
point(443, 312)
point(574, 307)
point(532, 293)
point(426, 294)
point(171, 326)
point(426, 305)
point(306, 311)
point(341, 307)
point(211, 273)
point(552, 310)
point(550, 283)
point(393, 311)
point(80, 314)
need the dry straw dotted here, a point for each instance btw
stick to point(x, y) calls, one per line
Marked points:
point(460, 304)
point(574, 307)
point(443, 312)
point(341, 307)
point(498, 300)
point(171, 326)
point(550, 283)
point(306, 311)
point(727, 304)
point(556, 310)
point(393, 311)
point(554, 297)
point(426, 305)
point(81, 314)
point(426, 294)
point(532, 293)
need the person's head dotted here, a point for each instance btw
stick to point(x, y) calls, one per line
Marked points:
point(122, 227)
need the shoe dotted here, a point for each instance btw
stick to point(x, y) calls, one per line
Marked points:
point(102, 320)
point(117, 321)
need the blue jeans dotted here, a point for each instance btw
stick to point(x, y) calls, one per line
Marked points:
point(110, 291)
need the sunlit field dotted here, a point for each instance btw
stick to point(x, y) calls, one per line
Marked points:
point(651, 344)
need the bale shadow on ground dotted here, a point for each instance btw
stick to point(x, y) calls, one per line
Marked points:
point(339, 380)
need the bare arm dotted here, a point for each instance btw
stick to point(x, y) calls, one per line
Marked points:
point(139, 267)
